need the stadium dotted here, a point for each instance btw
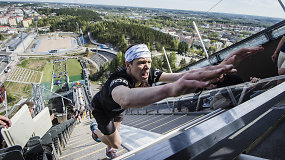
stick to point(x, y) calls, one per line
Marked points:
point(53, 43)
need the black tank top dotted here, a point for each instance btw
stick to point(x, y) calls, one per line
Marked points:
point(103, 99)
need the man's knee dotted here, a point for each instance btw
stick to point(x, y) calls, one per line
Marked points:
point(117, 145)
point(115, 139)
point(117, 142)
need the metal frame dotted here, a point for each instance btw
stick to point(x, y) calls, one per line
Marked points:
point(39, 100)
point(256, 39)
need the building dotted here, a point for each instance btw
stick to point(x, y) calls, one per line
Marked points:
point(19, 19)
point(186, 39)
point(36, 18)
point(218, 45)
point(12, 21)
point(207, 43)
point(4, 28)
point(11, 30)
point(12, 45)
point(4, 20)
point(27, 22)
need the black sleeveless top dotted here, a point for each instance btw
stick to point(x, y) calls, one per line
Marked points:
point(103, 99)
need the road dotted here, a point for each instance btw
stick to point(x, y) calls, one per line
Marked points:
point(13, 63)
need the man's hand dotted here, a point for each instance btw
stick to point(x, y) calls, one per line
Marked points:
point(274, 56)
point(200, 78)
point(5, 121)
point(236, 57)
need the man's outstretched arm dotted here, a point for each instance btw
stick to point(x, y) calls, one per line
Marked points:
point(233, 59)
point(236, 57)
point(172, 77)
point(188, 83)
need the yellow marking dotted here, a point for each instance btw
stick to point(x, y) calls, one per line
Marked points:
point(120, 151)
point(79, 150)
point(183, 124)
point(147, 120)
point(94, 153)
point(90, 153)
point(167, 122)
point(76, 139)
point(156, 121)
point(68, 145)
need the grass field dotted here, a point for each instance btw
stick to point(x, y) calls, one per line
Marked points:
point(19, 74)
point(34, 64)
point(18, 90)
point(75, 78)
point(59, 86)
point(47, 73)
point(59, 67)
point(73, 67)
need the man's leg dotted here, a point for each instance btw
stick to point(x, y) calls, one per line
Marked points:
point(113, 140)
point(79, 118)
point(117, 124)
point(281, 71)
point(281, 66)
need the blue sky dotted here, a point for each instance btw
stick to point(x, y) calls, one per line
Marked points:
point(268, 8)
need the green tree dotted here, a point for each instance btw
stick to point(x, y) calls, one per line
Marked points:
point(212, 49)
point(214, 35)
point(180, 48)
point(182, 63)
point(120, 59)
point(158, 46)
point(122, 43)
point(10, 98)
point(174, 44)
point(1, 37)
point(183, 47)
point(172, 60)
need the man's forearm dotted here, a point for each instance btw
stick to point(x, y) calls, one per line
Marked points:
point(170, 77)
point(139, 97)
point(280, 45)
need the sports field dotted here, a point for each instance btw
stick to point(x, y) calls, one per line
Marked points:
point(45, 45)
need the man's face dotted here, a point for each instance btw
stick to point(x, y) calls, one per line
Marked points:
point(139, 69)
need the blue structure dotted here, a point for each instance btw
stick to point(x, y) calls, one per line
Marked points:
point(81, 40)
point(58, 82)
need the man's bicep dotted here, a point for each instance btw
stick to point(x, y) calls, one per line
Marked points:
point(119, 93)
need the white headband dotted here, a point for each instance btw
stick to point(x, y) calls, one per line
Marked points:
point(137, 51)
